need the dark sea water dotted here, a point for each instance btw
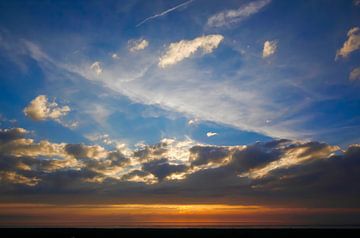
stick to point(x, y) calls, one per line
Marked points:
point(221, 232)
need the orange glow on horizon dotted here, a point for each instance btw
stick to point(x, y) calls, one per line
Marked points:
point(144, 215)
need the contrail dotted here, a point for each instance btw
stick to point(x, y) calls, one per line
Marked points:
point(164, 12)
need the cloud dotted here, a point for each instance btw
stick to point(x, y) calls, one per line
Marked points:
point(209, 154)
point(13, 177)
point(137, 45)
point(162, 168)
point(96, 68)
point(175, 151)
point(210, 134)
point(270, 48)
point(197, 93)
point(183, 49)
point(139, 176)
point(240, 103)
point(228, 17)
point(104, 139)
point(41, 109)
point(115, 56)
point(70, 125)
point(356, 2)
point(355, 74)
point(12, 134)
point(351, 44)
point(296, 154)
point(274, 172)
point(19, 153)
point(164, 12)
point(95, 152)
point(193, 122)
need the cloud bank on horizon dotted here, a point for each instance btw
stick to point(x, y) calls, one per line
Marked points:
point(242, 174)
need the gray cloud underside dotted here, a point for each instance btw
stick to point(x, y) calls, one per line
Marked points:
point(277, 172)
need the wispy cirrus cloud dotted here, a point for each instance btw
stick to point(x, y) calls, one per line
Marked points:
point(229, 17)
point(242, 104)
point(191, 90)
point(164, 12)
point(247, 108)
point(96, 68)
point(183, 49)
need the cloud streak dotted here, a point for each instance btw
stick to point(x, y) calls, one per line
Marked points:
point(229, 17)
point(164, 12)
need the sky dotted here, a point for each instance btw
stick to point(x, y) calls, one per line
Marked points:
point(179, 112)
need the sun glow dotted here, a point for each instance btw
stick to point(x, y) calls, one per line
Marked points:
point(155, 215)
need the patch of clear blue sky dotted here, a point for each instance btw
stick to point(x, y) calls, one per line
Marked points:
point(308, 32)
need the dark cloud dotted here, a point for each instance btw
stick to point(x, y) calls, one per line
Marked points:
point(147, 152)
point(279, 172)
point(7, 135)
point(161, 168)
point(205, 154)
point(255, 155)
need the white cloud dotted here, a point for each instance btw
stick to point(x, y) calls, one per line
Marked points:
point(234, 16)
point(193, 121)
point(351, 44)
point(115, 56)
point(107, 140)
point(70, 125)
point(355, 74)
point(136, 45)
point(270, 48)
point(96, 67)
point(41, 109)
point(199, 92)
point(211, 134)
point(194, 92)
point(178, 51)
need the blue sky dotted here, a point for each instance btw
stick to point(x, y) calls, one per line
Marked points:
point(299, 92)
point(154, 81)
